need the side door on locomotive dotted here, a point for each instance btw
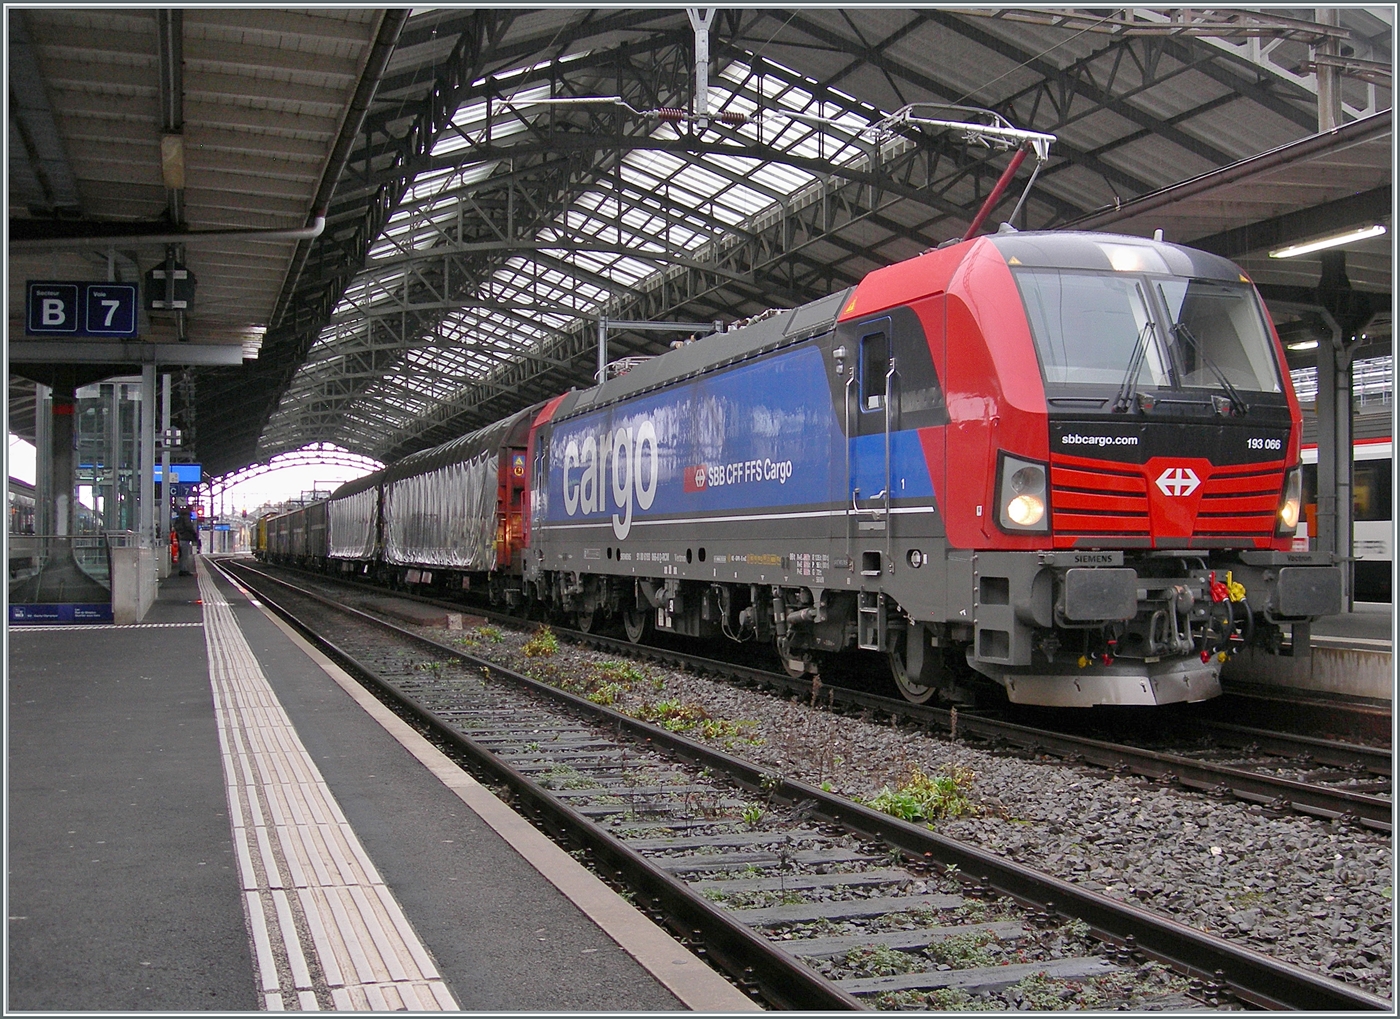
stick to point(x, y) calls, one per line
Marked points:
point(894, 414)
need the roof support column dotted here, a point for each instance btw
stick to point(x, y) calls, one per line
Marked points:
point(145, 460)
point(1334, 417)
point(166, 486)
point(61, 438)
point(1334, 457)
point(43, 460)
point(1329, 76)
point(170, 34)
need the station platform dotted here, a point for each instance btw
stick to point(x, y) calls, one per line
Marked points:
point(207, 815)
point(1366, 623)
point(1350, 658)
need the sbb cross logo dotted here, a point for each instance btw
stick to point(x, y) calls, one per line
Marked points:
point(1178, 481)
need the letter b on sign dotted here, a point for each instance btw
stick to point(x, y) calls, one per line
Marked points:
point(52, 308)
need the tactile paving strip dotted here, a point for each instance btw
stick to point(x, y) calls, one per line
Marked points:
point(97, 627)
point(326, 931)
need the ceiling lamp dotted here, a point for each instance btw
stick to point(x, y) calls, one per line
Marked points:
point(1333, 241)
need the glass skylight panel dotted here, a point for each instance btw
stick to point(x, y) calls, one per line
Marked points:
point(590, 261)
point(392, 394)
point(432, 183)
point(508, 117)
point(399, 225)
point(436, 356)
point(659, 165)
point(657, 202)
point(785, 179)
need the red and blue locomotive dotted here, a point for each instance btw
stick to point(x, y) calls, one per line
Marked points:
point(1064, 463)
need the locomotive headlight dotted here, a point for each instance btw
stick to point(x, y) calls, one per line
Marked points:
point(1291, 505)
point(1025, 510)
point(1021, 495)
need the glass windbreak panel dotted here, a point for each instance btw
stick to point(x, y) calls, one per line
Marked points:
point(1228, 328)
point(59, 569)
point(1087, 327)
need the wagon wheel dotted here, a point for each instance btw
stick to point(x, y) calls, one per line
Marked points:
point(794, 663)
point(911, 687)
point(637, 623)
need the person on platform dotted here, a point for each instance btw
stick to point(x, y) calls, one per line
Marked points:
point(187, 534)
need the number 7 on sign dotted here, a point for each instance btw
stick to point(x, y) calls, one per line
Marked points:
point(111, 309)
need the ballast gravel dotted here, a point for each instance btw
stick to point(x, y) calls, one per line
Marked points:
point(1302, 890)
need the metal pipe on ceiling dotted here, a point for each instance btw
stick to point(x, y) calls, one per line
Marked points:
point(187, 237)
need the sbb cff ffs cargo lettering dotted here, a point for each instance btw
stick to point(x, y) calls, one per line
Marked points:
point(1066, 464)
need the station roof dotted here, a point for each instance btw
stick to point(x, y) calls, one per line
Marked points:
point(494, 181)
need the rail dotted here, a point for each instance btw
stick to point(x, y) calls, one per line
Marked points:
point(1252, 977)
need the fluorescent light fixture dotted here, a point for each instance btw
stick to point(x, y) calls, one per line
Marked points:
point(1336, 240)
point(1303, 345)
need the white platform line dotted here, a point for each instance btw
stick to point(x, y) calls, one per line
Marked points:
point(301, 976)
point(325, 952)
point(409, 996)
point(262, 944)
point(285, 821)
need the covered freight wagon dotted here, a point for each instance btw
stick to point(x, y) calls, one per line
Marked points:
point(459, 506)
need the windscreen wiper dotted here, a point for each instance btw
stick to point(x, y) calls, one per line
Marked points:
point(1237, 405)
point(1126, 390)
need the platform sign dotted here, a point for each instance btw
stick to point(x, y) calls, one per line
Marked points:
point(98, 612)
point(57, 308)
point(181, 474)
point(51, 308)
point(110, 309)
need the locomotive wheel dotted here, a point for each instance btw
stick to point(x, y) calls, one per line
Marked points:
point(587, 621)
point(910, 687)
point(637, 623)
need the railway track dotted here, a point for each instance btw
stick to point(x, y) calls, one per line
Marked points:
point(1277, 771)
point(806, 899)
point(1299, 710)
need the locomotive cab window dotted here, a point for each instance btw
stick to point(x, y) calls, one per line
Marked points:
point(1213, 327)
point(1088, 327)
point(874, 369)
point(1162, 331)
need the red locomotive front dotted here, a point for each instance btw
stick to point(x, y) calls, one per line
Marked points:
point(1119, 470)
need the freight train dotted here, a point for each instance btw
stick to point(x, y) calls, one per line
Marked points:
point(1066, 464)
